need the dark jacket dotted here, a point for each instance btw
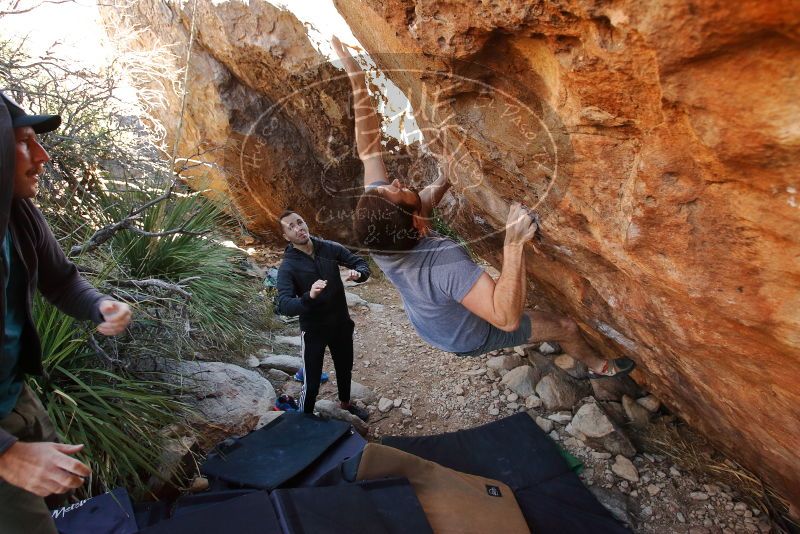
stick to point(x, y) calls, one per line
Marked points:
point(297, 273)
point(45, 264)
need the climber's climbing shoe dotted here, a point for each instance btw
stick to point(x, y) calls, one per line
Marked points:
point(613, 369)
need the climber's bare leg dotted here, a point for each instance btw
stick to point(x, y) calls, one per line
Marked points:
point(368, 127)
point(560, 328)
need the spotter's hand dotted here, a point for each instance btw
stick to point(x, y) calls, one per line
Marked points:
point(317, 287)
point(116, 317)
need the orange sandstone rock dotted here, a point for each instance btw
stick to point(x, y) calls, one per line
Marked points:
point(660, 141)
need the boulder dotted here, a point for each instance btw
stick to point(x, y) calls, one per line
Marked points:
point(548, 348)
point(329, 409)
point(624, 468)
point(521, 380)
point(227, 400)
point(533, 402)
point(649, 403)
point(267, 116)
point(613, 390)
point(571, 366)
point(635, 413)
point(294, 341)
point(505, 361)
point(354, 300)
point(558, 391)
point(632, 126)
point(175, 465)
point(282, 362)
point(593, 426)
point(544, 424)
point(384, 405)
point(362, 393)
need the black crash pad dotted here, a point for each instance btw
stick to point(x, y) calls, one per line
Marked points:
point(266, 458)
point(387, 506)
point(250, 514)
point(109, 513)
point(514, 450)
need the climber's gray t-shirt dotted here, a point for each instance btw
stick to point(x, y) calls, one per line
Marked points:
point(433, 278)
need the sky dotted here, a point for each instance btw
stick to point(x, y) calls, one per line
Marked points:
point(73, 31)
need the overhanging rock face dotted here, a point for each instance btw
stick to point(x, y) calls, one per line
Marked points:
point(660, 143)
point(267, 122)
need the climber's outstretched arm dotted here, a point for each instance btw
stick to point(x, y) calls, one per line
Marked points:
point(368, 127)
point(433, 193)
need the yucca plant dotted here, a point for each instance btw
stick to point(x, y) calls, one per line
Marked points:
point(119, 419)
point(220, 300)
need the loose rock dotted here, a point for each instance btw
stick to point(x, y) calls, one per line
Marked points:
point(282, 362)
point(506, 361)
point(591, 425)
point(544, 424)
point(533, 402)
point(288, 340)
point(557, 391)
point(330, 409)
point(549, 348)
point(624, 468)
point(636, 414)
point(362, 393)
point(649, 403)
point(384, 405)
point(521, 380)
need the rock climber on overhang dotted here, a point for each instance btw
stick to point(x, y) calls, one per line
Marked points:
point(452, 302)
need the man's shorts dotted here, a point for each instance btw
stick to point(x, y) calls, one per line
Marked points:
point(22, 512)
point(498, 339)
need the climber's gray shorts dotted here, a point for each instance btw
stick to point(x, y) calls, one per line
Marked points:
point(498, 339)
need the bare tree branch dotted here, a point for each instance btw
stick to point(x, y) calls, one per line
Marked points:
point(161, 284)
point(15, 11)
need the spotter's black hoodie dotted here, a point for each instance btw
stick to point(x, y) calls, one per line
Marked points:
point(299, 271)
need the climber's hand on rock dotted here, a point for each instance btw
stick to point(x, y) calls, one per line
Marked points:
point(520, 226)
point(316, 288)
point(345, 57)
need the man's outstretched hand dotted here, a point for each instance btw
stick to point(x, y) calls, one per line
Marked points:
point(353, 275)
point(116, 317)
point(43, 468)
point(520, 226)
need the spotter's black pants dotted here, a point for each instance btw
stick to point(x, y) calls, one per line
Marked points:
point(340, 340)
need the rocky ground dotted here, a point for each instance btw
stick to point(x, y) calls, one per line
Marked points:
point(413, 389)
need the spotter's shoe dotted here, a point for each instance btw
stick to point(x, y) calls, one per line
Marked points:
point(299, 376)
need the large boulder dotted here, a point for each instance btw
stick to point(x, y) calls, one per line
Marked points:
point(658, 142)
point(226, 399)
point(267, 122)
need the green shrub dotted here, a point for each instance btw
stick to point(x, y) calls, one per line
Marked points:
point(118, 417)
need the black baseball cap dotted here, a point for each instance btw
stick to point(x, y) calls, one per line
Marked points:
point(20, 117)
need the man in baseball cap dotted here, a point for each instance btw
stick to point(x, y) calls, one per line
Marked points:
point(20, 118)
point(32, 464)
